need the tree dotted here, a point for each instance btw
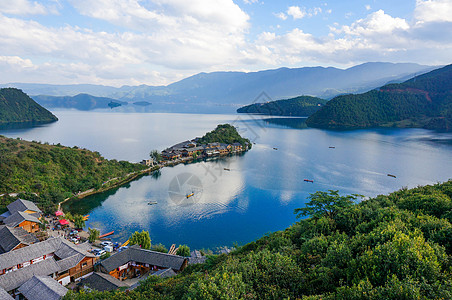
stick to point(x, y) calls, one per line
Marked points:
point(141, 238)
point(325, 204)
point(155, 155)
point(93, 234)
point(79, 222)
point(183, 250)
point(160, 248)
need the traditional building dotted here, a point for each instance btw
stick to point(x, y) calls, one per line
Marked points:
point(55, 257)
point(21, 219)
point(14, 238)
point(135, 261)
point(42, 287)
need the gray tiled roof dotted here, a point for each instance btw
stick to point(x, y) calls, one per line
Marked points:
point(22, 205)
point(134, 253)
point(13, 280)
point(18, 217)
point(4, 295)
point(61, 247)
point(69, 262)
point(165, 273)
point(11, 237)
point(102, 282)
point(42, 287)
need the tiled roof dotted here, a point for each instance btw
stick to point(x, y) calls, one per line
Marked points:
point(144, 256)
point(102, 282)
point(42, 287)
point(11, 237)
point(61, 247)
point(165, 273)
point(4, 295)
point(18, 217)
point(14, 279)
point(69, 262)
point(22, 205)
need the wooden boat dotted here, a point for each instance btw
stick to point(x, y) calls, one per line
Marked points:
point(390, 175)
point(308, 180)
point(275, 148)
point(190, 195)
point(227, 169)
point(332, 147)
point(152, 202)
point(104, 235)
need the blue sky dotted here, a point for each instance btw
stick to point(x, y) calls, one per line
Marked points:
point(156, 42)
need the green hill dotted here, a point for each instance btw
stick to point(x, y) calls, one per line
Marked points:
point(53, 172)
point(17, 107)
point(302, 106)
point(226, 134)
point(424, 101)
point(80, 102)
point(397, 246)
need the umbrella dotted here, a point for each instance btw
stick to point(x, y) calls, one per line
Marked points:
point(58, 213)
point(64, 222)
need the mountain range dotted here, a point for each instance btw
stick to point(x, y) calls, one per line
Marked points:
point(424, 101)
point(228, 90)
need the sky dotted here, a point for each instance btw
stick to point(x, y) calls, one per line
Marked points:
point(157, 42)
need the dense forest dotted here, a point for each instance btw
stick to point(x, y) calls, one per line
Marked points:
point(302, 106)
point(17, 107)
point(424, 101)
point(396, 246)
point(47, 174)
point(224, 133)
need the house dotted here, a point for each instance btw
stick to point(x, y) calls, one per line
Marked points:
point(42, 287)
point(164, 273)
point(135, 261)
point(102, 282)
point(148, 162)
point(25, 206)
point(4, 295)
point(15, 238)
point(56, 257)
point(21, 219)
point(223, 150)
point(191, 151)
point(236, 147)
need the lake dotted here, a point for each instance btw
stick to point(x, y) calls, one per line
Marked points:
point(238, 198)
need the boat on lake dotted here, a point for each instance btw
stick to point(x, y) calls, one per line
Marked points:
point(390, 175)
point(275, 148)
point(152, 202)
point(227, 169)
point(309, 180)
point(190, 195)
point(332, 147)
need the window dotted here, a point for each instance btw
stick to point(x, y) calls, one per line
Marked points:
point(84, 264)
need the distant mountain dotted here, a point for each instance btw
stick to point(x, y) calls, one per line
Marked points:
point(303, 106)
point(232, 89)
point(80, 101)
point(423, 101)
point(17, 107)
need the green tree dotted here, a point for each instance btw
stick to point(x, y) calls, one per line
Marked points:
point(222, 286)
point(325, 204)
point(159, 248)
point(93, 234)
point(79, 222)
point(183, 250)
point(155, 155)
point(141, 238)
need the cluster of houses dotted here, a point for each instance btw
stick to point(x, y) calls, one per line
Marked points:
point(191, 148)
point(32, 269)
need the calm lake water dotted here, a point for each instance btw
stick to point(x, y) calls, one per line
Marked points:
point(262, 187)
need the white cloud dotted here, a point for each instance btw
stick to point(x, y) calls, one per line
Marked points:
point(368, 7)
point(433, 11)
point(22, 7)
point(281, 15)
point(250, 1)
point(296, 12)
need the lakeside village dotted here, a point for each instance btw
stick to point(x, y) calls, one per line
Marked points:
point(41, 257)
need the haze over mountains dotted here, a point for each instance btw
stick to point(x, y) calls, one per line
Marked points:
point(232, 89)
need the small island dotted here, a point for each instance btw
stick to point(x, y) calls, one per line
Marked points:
point(223, 140)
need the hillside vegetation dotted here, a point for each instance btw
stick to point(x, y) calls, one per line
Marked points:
point(17, 107)
point(224, 133)
point(53, 172)
point(397, 246)
point(302, 106)
point(424, 101)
